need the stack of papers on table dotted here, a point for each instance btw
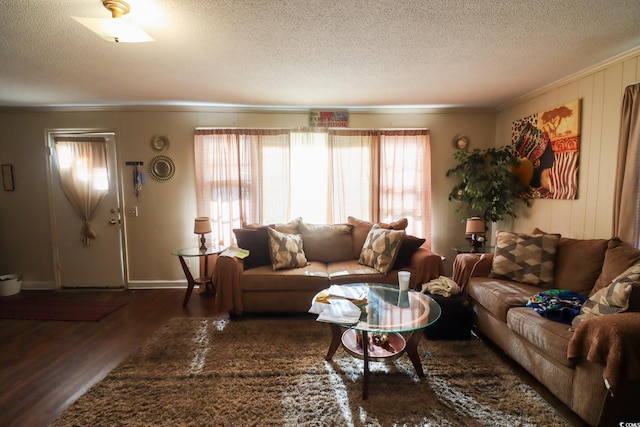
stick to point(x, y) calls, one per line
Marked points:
point(339, 310)
point(353, 292)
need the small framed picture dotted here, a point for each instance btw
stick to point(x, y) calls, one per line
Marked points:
point(7, 177)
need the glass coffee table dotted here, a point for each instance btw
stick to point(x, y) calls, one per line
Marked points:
point(387, 314)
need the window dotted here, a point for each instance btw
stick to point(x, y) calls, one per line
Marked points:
point(324, 176)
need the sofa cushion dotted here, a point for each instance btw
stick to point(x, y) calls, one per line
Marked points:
point(408, 247)
point(327, 242)
point(256, 241)
point(286, 250)
point(612, 299)
point(291, 227)
point(525, 258)
point(498, 296)
point(578, 263)
point(381, 248)
point(617, 259)
point(552, 338)
point(344, 272)
point(312, 276)
point(361, 231)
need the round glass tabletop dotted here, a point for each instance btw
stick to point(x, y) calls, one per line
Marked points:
point(192, 252)
point(388, 309)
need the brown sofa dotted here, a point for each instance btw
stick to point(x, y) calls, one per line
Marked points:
point(332, 253)
point(572, 364)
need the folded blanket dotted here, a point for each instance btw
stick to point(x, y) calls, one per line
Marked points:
point(441, 286)
point(613, 341)
point(557, 305)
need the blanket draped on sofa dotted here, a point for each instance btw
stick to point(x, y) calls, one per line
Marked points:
point(606, 342)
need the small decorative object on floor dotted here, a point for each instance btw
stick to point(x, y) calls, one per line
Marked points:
point(455, 322)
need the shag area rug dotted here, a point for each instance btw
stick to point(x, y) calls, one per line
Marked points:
point(271, 372)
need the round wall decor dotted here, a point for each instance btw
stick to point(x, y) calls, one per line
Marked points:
point(159, 143)
point(162, 168)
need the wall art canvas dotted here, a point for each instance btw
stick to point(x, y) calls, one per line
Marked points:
point(548, 144)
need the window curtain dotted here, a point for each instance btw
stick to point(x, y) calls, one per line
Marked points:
point(405, 179)
point(228, 168)
point(626, 216)
point(82, 167)
point(322, 175)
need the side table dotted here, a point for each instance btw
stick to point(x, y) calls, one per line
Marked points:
point(207, 280)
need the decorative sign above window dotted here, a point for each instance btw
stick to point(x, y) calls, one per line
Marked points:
point(329, 119)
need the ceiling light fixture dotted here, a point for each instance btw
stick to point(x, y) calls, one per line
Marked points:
point(116, 29)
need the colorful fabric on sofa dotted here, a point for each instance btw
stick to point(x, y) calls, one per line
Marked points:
point(557, 304)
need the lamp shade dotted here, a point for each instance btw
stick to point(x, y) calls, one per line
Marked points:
point(202, 225)
point(475, 225)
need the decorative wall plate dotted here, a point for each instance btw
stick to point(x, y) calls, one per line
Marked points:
point(158, 143)
point(162, 168)
point(461, 142)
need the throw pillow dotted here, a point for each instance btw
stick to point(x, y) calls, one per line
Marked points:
point(525, 258)
point(611, 299)
point(327, 242)
point(361, 231)
point(381, 248)
point(286, 250)
point(256, 241)
point(408, 247)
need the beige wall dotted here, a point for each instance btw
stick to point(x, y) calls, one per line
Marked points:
point(166, 210)
point(600, 92)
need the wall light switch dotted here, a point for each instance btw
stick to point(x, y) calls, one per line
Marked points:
point(132, 211)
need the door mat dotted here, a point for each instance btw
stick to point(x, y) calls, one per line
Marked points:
point(89, 311)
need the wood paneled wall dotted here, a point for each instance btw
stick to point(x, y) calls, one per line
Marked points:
point(600, 92)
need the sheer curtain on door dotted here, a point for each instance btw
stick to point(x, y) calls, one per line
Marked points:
point(82, 166)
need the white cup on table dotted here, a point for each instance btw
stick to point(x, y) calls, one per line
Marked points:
point(403, 280)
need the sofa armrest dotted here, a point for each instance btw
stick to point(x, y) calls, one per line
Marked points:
point(425, 265)
point(613, 341)
point(467, 264)
point(226, 278)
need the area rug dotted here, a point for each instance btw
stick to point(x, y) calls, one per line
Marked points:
point(272, 372)
point(57, 310)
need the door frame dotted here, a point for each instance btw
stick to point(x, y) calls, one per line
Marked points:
point(49, 135)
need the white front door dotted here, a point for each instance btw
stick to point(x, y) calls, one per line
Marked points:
point(101, 263)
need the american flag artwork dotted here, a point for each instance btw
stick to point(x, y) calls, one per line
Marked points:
point(548, 145)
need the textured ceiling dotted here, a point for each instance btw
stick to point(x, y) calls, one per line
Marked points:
point(307, 53)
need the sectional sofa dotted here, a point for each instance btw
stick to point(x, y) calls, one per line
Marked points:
point(593, 366)
point(289, 263)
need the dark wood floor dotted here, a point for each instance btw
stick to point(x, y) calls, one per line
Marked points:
point(46, 365)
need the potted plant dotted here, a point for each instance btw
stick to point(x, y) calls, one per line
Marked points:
point(489, 186)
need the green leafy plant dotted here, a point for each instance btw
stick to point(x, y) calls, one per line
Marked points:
point(488, 186)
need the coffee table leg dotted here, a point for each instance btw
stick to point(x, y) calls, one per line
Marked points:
point(336, 337)
point(412, 351)
point(365, 357)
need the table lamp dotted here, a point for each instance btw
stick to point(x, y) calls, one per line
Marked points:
point(202, 227)
point(475, 228)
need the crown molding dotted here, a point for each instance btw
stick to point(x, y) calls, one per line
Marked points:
point(571, 78)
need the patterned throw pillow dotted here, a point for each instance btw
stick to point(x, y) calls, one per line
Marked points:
point(286, 250)
point(611, 299)
point(525, 258)
point(381, 248)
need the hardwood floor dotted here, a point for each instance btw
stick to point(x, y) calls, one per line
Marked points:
point(46, 365)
